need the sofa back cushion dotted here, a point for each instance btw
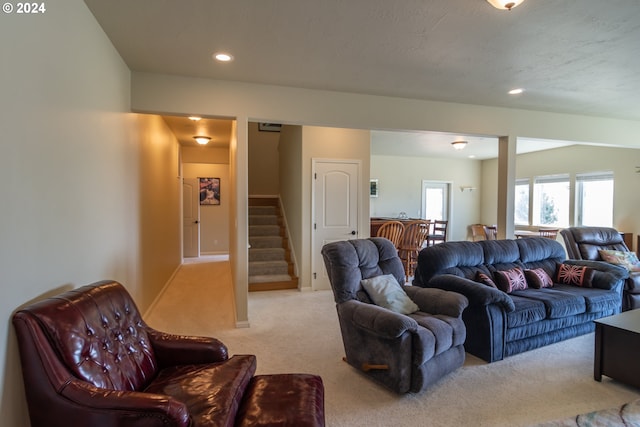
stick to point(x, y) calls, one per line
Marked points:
point(350, 261)
point(541, 252)
point(464, 259)
point(501, 255)
point(99, 335)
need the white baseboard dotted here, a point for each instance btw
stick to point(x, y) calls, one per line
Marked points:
point(243, 324)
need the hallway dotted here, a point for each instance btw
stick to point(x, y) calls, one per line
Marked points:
point(198, 299)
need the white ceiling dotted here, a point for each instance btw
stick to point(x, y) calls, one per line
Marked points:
point(570, 56)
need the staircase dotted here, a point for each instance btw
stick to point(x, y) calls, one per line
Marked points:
point(270, 265)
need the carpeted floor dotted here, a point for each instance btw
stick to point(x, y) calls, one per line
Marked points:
point(298, 332)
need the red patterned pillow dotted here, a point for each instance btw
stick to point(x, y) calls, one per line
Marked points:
point(538, 278)
point(485, 279)
point(510, 280)
point(576, 275)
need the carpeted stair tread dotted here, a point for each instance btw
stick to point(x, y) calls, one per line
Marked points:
point(264, 230)
point(263, 268)
point(265, 241)
point(269, 278)
point(269, 264)
point(266, 254)
point(263, 220)
point(262, 210)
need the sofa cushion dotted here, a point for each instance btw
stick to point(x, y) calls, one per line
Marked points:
point(485, 279)
point(510, 280)
point(526, 311)
point(626, 259)
point(575, 275)
point(557, 302)
point(538, 278)
point(597, 300)
point(385, 291)
point(212, 392)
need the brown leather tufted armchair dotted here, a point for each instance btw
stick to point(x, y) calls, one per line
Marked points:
point(89, 360)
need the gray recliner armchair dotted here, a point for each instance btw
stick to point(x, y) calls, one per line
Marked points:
point(585, 243)
point(404, 352)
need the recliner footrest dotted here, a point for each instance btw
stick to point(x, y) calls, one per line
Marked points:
point(283, 400)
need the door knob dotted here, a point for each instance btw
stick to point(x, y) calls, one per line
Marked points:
point(196, 222)
point(353, 232)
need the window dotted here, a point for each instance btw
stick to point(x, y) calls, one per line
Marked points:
point(594, 199)
point(551, 200)
point(521, 203)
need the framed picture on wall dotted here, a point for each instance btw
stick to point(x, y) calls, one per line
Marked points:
point(373, 188)
point(209, 191)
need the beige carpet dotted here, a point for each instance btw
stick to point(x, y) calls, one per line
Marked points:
point(298, 332)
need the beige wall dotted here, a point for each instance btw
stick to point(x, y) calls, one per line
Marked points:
point(263, 162)
point(88, 189)
point(252, 102)
point(291, 192)
point(334, 144)
point(573, 160)
point(299, 145)
point(400, 183)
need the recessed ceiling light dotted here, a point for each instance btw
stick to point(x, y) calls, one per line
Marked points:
point(517, 91)
point(223, 57)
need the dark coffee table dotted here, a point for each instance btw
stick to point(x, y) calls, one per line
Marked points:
point(617, 348)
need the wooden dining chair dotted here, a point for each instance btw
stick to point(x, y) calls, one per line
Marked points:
point(549, 233)
point(413, 238)
point(392, 230)
point(491, 232)
point(477, 232)
point(438, 232)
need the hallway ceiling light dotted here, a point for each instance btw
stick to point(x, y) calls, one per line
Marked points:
point(202, 140)
point(195, 118)
point(223, 57)
point(459, 145)
point(504, 4)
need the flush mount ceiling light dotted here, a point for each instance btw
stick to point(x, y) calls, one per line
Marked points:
point(504, 4)
point(223, 57)
point(517, 91)
point(202, 140)
point(459, 145)
point(195, 118)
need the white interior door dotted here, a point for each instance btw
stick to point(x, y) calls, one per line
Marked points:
point(191, 217)
point(335, 210)
point(435, 200)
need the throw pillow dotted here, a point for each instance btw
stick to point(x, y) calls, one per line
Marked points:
point(485, 279)
point(386, 292)
point(626, 259)
point(510, 280)
point(576, 275)
point(538, 278)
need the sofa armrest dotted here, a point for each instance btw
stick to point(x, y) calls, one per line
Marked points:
point(377, 320)
point(173, 350)
point(476, 293)
point(606, 276)
point(437, 301)
point(124, 407)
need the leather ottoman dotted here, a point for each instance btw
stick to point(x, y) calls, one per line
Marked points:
point(295, 400)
